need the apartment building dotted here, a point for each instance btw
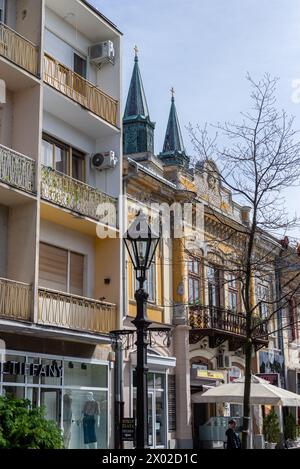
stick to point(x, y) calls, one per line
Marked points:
point(60, 164)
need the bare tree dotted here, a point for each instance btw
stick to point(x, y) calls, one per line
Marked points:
point(260, 159)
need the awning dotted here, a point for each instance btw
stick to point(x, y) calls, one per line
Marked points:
point(262, 393)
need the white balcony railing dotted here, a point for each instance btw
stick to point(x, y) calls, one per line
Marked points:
point(76, 196)
point(17, 170)
point(80, 90)
point(15, 300)
point(75, 312)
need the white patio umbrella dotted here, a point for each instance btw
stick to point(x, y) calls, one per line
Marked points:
point(262, 393)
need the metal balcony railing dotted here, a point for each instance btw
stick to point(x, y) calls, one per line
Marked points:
point(78, 197)
point(17, 170)
point(80, 90)
point(15, 300)
point(75, 312)
point(220, 319)
point(19, 50)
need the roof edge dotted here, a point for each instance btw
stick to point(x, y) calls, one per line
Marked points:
point(95, 10)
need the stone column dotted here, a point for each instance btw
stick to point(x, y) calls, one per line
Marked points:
point(183, 388)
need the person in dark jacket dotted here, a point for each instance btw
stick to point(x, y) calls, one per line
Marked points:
point(233, 439)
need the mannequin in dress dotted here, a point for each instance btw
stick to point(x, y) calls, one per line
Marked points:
point(91, 418)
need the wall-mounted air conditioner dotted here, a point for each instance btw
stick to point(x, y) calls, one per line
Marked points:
point(101, 53)
point(101, 161)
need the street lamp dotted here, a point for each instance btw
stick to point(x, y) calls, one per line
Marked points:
point(141, 244)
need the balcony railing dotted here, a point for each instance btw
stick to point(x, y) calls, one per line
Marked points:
point(15, 300)
point(19, 50)
point(223, 321)
point(80, 90)
point(75, 313)
point(17, 170)
point(78, 197)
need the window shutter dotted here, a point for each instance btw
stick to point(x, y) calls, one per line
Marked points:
point(53, 268)
point(172, 402)
point(76, 274)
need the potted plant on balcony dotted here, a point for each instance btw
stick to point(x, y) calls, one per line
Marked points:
point(271, 430)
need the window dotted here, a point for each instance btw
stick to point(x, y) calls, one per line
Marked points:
point(61, 270)
point(214, 286)
point(233, 293)
point(150, 284)
point(2, 11)
point(80, 65)
point(194, 281)
point(263, 298)
point(63, 158)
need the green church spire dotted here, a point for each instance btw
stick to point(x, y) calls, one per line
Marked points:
point(173, 150)
point(138, 128)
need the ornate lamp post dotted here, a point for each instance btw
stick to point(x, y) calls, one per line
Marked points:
point(141, 244)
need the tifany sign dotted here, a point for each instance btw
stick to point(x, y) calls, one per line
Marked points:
point(13, 368)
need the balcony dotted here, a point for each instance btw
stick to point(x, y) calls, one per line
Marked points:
point(17, 170)
point(75, 312)
point(76, 196)
point(220, 325)
point(19, 50)
point(15, 300)
point(72, 85)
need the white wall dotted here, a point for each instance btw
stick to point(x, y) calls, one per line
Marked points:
point(6, 113)
point(62, 40)
point(29, 19)
point(109, 180)
point(74, 241)
point(21, 250)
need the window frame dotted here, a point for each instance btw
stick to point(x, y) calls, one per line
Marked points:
point(56, 143)
point(233, 290)
point(216, 284)
point(195, 276)
point(68, 279)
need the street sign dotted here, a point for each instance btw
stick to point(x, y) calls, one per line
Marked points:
point(128, 429)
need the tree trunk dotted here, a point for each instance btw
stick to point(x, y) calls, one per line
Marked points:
point(247, 391)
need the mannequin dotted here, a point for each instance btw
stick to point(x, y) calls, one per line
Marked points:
point(67, 419)
point(91, 418)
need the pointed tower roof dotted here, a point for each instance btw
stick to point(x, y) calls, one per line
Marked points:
point(174, 150)
point(136, 102)
point(173, 139)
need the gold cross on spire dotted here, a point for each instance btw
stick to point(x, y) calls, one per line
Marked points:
point(172, 92)
point(136, 50)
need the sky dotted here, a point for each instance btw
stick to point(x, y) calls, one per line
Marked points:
point(204, 49)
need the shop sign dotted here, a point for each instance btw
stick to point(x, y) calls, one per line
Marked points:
point(209, 374)
point(272, 378)
point(128, 429)
point(32, 369)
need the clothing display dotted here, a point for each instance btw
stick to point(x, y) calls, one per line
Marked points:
point(91, 412)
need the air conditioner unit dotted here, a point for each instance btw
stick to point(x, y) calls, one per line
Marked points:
point(103, 52)
point(101, 161)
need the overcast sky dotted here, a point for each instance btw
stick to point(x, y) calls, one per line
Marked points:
point(204, 48)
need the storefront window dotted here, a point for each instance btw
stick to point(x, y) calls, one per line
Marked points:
point(85, 419)
point(13, 369)
point(157, 416)
point(83, 374)
point(74, 395)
